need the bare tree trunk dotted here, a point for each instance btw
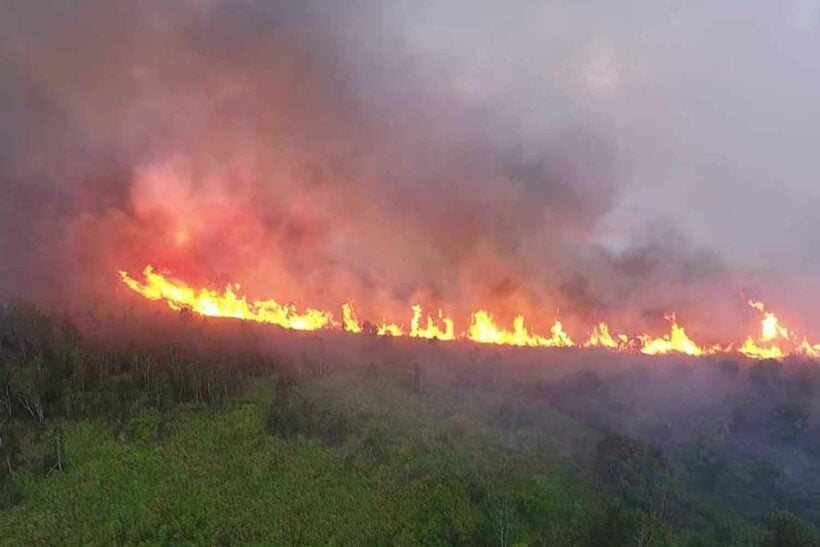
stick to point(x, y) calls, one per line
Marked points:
point(8, 401)
point(25, 404)
point(60, 452)
point(58, 449)
point(148, 377)
point(38, 406)
point(503, 525)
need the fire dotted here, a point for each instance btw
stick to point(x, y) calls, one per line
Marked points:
point(600, 337)
point(765, 346)
point(389, 329)
point(559, 338)
point(484, 330)
point(430, 329)
point(751, 349)
point(351, 322)
point(771, 328)
point(178, 295)
point(676, 340)
point(774, 341)
point(807, 349)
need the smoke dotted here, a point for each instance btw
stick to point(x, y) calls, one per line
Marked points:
point(318, 153)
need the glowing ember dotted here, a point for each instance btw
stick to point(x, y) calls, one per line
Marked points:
point(774, 341)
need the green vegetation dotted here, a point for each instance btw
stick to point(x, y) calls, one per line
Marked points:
point(164, 444)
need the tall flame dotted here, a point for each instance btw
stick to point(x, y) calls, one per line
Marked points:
point(351, 321)
point(774, 341)
point(765, 346)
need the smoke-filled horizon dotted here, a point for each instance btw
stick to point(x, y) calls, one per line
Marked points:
point(568, 157)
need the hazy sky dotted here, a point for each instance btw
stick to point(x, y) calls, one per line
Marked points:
point(714, 106)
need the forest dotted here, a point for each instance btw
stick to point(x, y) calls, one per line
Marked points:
point(172, 429)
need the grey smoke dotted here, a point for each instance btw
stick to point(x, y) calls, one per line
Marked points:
point(461, 153)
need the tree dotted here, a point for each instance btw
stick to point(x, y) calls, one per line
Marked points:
point(783, 529)
point(28, 384)
point(640, 474)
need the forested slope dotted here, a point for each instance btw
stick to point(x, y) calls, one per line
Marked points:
point(161, 441)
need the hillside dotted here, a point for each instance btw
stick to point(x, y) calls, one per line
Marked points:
point(184, 439)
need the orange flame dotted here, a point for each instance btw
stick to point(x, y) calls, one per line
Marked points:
point(600, 337)
point(390, 329)
point(350, 320)
point(179, 295)
point(430, 330)
point(676, 340)
point(484, 330)
point(774, 341)
point(765, 347)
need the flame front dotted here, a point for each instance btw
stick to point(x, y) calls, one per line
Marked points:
point(389, 329)
point(430, 329)
point(600, 337)
point(676, 340)
point(774, 341)
point(178, 295)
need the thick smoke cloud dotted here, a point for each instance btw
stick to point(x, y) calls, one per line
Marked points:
point(320, 152)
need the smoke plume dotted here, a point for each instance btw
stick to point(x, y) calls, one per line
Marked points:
point(317, 152)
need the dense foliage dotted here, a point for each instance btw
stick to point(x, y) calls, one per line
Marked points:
point(161, 442)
